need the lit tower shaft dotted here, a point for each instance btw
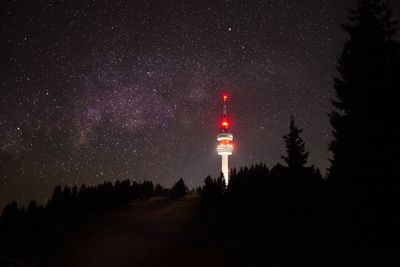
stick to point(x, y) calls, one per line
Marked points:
point(225, 139)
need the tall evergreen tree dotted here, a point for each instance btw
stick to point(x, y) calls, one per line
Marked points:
point(296, 154)
point(364, 169)
point(365, 120)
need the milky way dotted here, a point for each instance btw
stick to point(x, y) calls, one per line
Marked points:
point(106, 90)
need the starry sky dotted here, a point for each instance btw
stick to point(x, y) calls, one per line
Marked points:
point(105, 90)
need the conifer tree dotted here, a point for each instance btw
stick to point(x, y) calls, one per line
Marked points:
point(179, 189)
point(365, 118)
point(295, 148)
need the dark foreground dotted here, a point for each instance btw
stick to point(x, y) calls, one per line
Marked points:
point(161, 231)
point(154, 232)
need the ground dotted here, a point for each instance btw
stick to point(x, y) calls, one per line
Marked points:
point(154, 232)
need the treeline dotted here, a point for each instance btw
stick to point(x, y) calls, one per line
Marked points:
point(290, 214)
point(69, 205)
point(266, 211)
point(28, 233)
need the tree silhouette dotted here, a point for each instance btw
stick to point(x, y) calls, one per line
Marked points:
point(212, 191)
point(363, 177)
point(365, 117)
point(179, 189)
point(296, 155)
point(159, 190)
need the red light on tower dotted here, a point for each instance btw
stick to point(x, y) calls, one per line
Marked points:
point(225, 97)
point(224, 124)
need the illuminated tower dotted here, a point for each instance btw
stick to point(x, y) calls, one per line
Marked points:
point(225, 139)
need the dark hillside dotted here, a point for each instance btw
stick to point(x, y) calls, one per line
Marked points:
point(156, 232)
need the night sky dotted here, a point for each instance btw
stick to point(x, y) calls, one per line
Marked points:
point(104, 90)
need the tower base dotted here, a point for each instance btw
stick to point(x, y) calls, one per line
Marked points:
point(225, 168)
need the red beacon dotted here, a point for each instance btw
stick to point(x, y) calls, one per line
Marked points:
point(224, 125)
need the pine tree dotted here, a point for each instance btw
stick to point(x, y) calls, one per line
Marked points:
point(365, 118)
point(296, 155)
point(364, 171)
point(179, 189)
